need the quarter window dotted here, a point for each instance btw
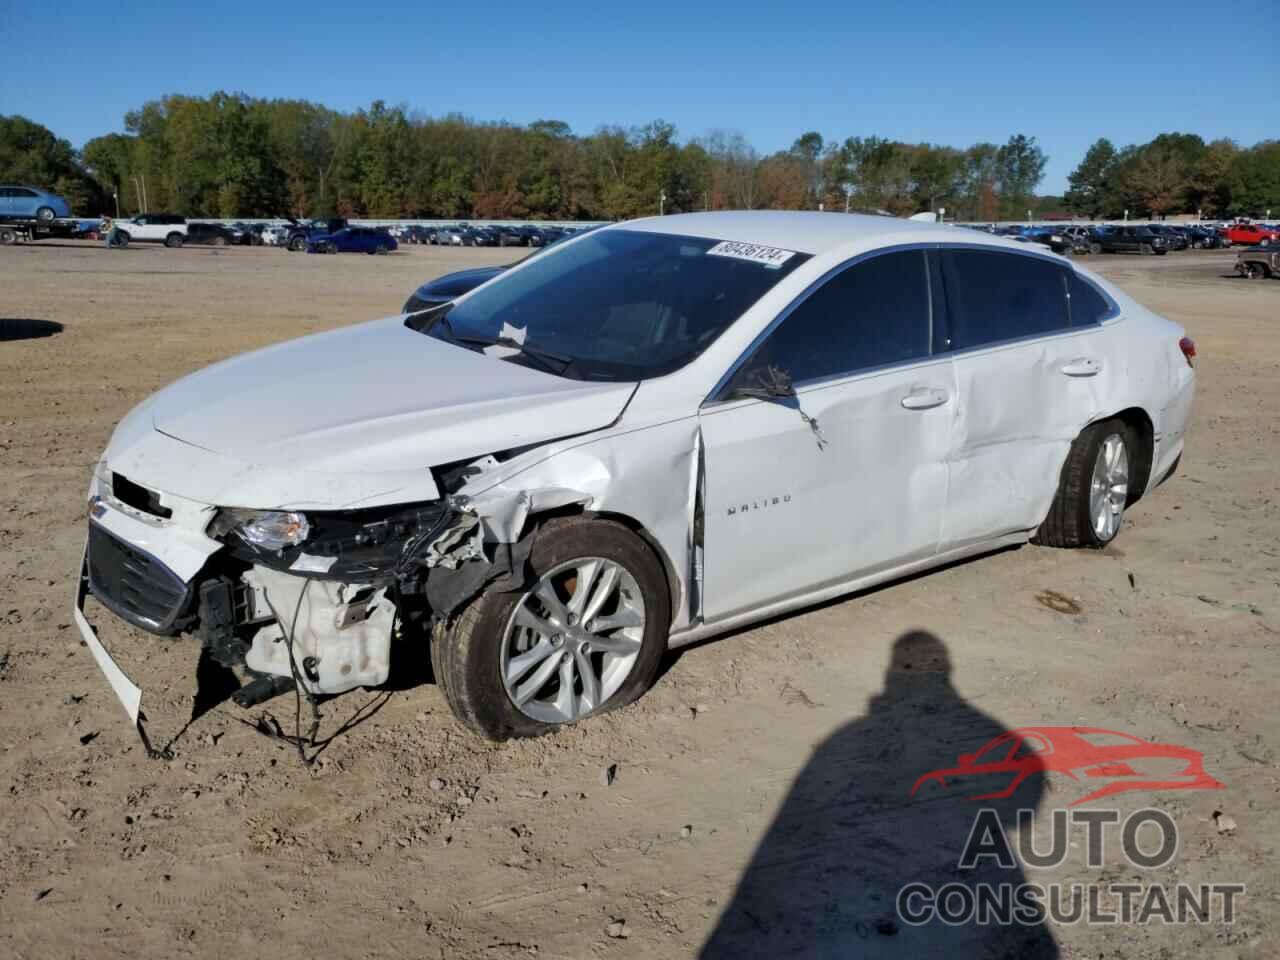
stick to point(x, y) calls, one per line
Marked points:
point(869, 315)
point(1088, 306)
point(994, 296)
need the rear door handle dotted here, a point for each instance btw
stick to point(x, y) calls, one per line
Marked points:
point(925, 399)
point(1082, 367)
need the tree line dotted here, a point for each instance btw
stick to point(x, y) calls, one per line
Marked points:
point(230, 155)
point(1176, 173)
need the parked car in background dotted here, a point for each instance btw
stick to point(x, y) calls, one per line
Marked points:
point(212, 235)
point(1248, 234)
point(301, 232)
point(1079, 237)
point(352, 240)
point(512, 236)
point(19, 202)
point(1126, 239)
point(275, 235)
point(450, 236)
point(482, 236)
point(167, 228)
point(1259, 262)
point(566, 504)
point(1203, 238)
point(1054, 238)
point(1174, 239)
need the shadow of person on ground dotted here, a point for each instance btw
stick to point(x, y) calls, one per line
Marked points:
point(825, 880)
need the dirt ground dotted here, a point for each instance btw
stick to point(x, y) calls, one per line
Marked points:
point(761, 798)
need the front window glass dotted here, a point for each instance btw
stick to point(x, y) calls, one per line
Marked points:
point(873, 314)
point(615, 305)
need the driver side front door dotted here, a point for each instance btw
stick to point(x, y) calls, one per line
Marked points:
point(847, 477)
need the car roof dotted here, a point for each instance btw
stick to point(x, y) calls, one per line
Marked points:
point(803, 231)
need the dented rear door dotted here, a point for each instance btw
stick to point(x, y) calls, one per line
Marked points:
point(1026, 384)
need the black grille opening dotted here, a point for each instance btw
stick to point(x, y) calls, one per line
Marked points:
point(134, 584)
point(138, 497)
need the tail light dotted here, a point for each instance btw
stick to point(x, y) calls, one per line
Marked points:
point(1188, 348)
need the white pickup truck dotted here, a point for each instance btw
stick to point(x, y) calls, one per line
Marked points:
point(163, 228)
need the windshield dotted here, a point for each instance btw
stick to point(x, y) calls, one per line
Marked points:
point(616, 305)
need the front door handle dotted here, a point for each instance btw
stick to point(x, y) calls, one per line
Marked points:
point(925, 399)
point(1082, 367)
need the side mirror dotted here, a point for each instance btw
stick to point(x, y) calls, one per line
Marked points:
point(765, 383)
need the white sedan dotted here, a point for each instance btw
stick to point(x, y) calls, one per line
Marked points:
point(653, 433)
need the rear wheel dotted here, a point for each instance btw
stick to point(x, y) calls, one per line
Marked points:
point(1095, 248)
point(45, 214)
point(1145, 249)
point(7, 236)
point(219, 241)
point(298, 244)
point(174, 240)
point(1255, 271)
point(1093, 490)
point(584, 635)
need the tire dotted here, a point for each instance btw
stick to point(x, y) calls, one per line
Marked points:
point(1072, 519)
point(1255, 271)
point(219, 241)
point(469, 655)
point(44, 214)
point(7, 237)
point(122, 238)
point(297, 244)
point(1145, 249)
point(174, 240)
point(1095, 248)
point(1161, 253)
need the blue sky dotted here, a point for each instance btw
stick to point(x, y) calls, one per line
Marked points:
point(947, 72)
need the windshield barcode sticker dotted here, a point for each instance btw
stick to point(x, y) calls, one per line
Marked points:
point(769, 256)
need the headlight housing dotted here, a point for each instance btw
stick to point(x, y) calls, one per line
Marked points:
point(268, 529)
point(364, 544)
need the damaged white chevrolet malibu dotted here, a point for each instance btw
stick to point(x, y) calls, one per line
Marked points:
point(656, 432)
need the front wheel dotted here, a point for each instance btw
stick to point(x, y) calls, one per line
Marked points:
point(583, 635)
point(298, 244)
point(44, 214)
point(1255, 271)
point(1093, 491)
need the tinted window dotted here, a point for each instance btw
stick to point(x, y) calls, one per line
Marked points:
point(1001, 296)
point(1087, 304)
point(871, 314)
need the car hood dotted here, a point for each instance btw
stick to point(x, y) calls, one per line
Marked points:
point(356, 416)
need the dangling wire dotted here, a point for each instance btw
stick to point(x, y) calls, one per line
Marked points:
point(298, 687)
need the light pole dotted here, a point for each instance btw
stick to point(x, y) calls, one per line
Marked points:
point(662, 202)
point(115, 193)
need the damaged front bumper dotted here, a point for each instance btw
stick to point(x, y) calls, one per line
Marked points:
point(320, 617)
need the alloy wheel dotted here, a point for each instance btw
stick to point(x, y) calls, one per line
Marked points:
point(1109, 487)
point(572, 640)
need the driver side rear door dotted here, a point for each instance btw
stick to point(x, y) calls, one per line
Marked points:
point(849, 476)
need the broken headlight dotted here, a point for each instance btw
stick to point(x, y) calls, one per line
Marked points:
point(268, 529)
point(336, 544)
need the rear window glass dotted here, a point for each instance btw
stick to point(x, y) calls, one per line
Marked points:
point(994, 296)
